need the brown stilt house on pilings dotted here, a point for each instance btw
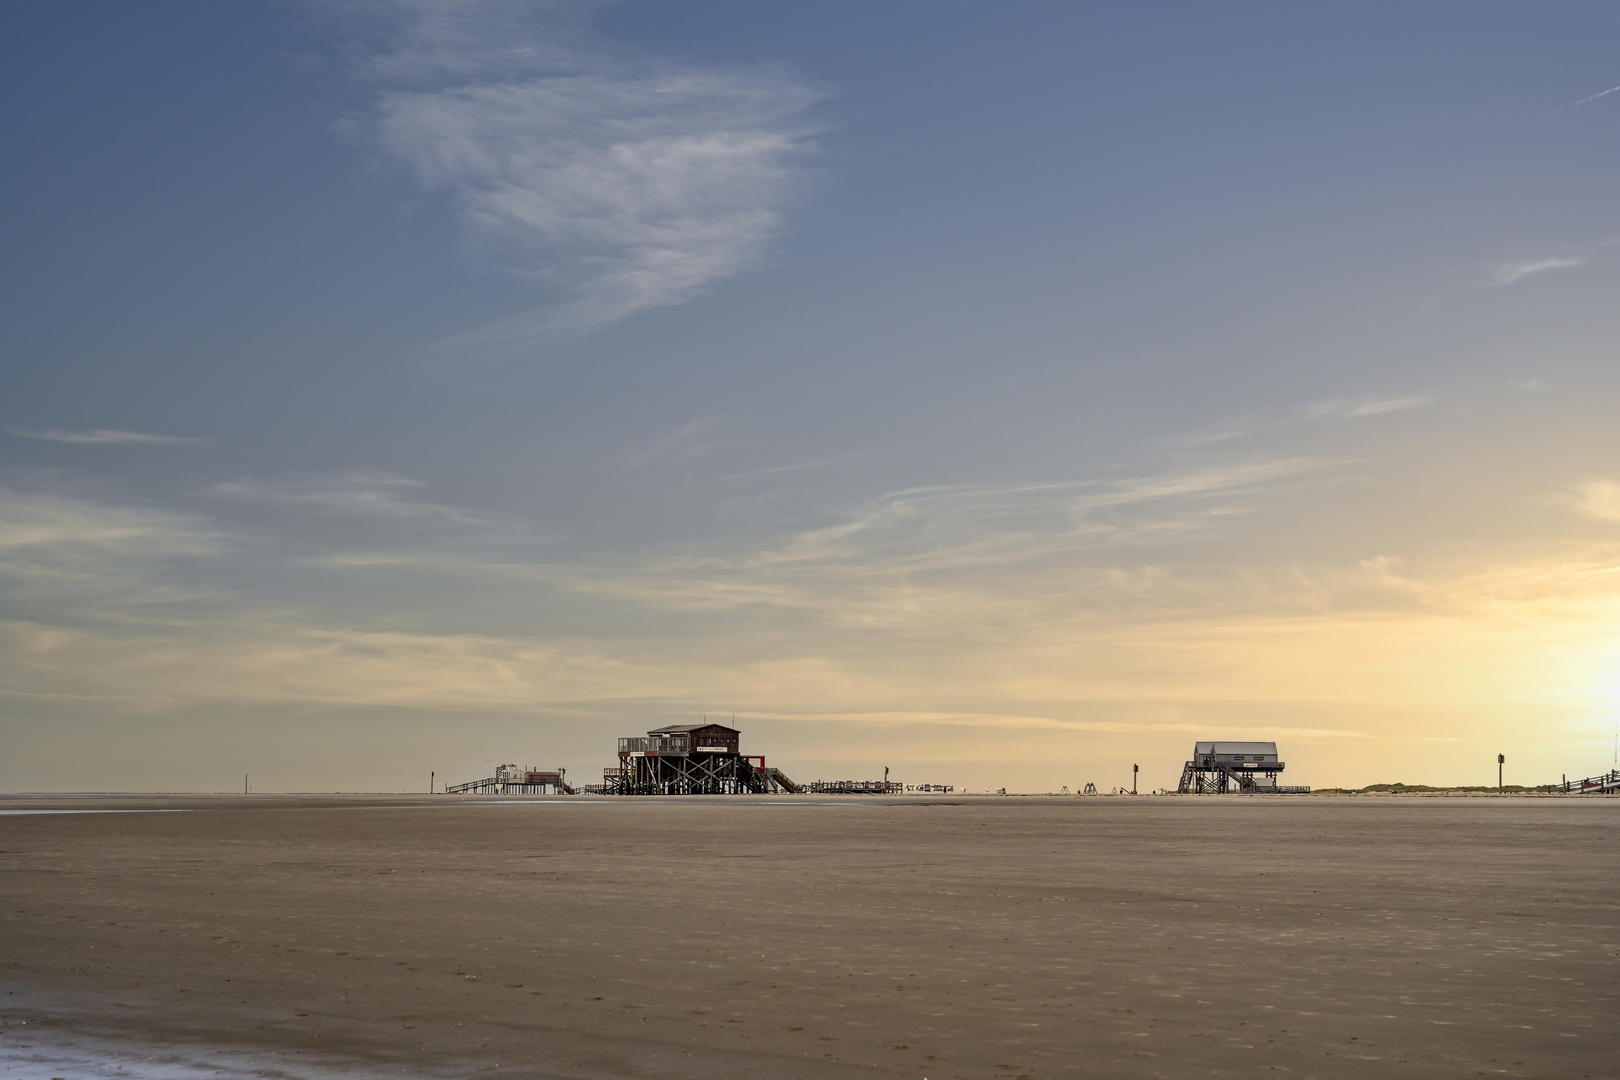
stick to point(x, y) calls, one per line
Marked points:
point(691, 759)
point(703, 738)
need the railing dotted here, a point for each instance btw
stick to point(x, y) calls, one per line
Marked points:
point(855, 787)
point(1256, 766)
point(1210, 776)
point(676, 744)
point(1606, 782)
point(782, 780)
point(495, 785)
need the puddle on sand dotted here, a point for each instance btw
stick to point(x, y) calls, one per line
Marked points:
point(5, 813)
point(47, 1054)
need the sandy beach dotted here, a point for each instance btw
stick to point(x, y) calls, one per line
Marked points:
point(808, 937)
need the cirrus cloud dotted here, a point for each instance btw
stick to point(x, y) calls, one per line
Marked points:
point(1508, 273)
point(1597, 499)
point(101, 437)
point(613, 183)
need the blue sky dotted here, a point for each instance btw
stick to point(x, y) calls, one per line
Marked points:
point(1001, 393)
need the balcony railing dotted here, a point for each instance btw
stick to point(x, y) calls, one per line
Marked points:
point(676, 744)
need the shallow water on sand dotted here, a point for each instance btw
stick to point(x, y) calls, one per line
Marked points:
point(46, 1054)
point(19, 813)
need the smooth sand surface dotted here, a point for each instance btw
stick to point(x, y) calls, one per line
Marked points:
point(812, 937)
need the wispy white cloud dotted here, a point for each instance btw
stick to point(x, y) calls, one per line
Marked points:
point(66, 559)
point(1508, 273)
point(445, 41)
point(1043, 606)
point(1362, 406)
point(1594, 97)
point(688, 441)
point(1033, 723)
point(1372, 407)
point(101, 436)
point(359, 492)
point(818, 463)
point(1002, 548)
point(50, 522)
point(1596, 499)
point(616, 183)
point(1228, 429)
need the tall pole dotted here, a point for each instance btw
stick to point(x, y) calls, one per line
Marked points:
point(1499, 760)
point(244, 783)
point(1134, 768)
point(431, 775)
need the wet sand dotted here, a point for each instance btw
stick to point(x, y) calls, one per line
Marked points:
point(813, 937)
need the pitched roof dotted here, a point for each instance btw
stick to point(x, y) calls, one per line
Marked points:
point(683, 729)
point(1235, 748)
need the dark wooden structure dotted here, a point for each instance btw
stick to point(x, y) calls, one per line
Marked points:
point(703, 738)
point(1247, 768)
point(512, 780)
point(691, 759)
